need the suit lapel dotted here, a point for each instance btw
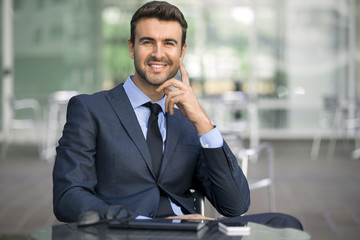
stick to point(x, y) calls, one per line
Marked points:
point(123, 109)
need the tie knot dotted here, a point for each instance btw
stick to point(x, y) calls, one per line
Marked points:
point(154, 107)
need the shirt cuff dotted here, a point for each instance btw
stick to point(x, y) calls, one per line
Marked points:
point(212, 139)
point(140, 217)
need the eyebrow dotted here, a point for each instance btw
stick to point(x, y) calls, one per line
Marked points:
point(171, 40)
point(146, 38)
point(152, 39)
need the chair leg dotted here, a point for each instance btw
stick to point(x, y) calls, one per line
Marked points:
point(272, 199)
point(4, 147)
point(315, 147)
point(355, 154)
point(331, 148)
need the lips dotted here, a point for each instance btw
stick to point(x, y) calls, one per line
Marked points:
point(157, 67)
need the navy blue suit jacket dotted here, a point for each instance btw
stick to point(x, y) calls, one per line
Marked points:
point(103, 159)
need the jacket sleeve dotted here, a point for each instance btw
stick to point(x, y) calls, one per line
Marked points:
point(221, 179)
point(74, 173)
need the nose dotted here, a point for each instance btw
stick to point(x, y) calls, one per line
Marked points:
point(158, 52)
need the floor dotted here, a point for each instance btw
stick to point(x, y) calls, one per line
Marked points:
point(324, 193)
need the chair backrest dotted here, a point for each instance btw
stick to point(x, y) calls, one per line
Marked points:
point(237, 113)
point(56, 118)
point(232, 112)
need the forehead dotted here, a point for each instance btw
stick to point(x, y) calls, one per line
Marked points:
point(158, 29)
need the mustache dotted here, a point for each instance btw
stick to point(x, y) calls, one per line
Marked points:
point(153, 59)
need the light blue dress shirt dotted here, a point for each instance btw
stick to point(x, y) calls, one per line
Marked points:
point(212, 139)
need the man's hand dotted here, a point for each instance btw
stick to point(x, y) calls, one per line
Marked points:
point(181, 94)
point(191, 217)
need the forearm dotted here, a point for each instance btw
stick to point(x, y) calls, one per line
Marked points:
point(74, 181)
point(225, 184)
point(74, 173)
point(75, 201)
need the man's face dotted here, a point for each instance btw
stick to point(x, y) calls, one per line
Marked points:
point(156, 51)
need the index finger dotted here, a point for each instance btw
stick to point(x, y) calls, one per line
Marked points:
point(171, 82)
point(184, 74)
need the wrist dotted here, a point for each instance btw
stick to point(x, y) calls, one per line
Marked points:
point(204, 126)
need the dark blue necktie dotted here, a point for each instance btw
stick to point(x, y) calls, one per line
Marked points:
point(153, 136)
point(155, 144)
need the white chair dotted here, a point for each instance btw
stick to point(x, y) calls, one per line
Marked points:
point(56, 118)
point(334, 118)
point(236, 113)
point(329, 120)
point(25, 115)
point(237, 119)
point(250, 157)
point(353, 129)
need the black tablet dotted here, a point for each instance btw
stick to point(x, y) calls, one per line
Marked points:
point(160, 224)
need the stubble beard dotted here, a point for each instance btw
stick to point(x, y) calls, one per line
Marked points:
point(155, 80)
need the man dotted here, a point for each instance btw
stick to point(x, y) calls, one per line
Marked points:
point(105, 155)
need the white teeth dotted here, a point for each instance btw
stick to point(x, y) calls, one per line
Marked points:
point(157, 66)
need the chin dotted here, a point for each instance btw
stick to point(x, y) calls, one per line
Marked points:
point(157, 82)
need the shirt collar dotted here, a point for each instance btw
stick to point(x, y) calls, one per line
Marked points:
point(137, 97)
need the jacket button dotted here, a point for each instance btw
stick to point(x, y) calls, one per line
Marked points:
point(151, 215)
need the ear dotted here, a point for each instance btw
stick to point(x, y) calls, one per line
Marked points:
point(131, 48)
point(183, 50)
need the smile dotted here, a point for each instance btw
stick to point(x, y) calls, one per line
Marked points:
point(157, 67)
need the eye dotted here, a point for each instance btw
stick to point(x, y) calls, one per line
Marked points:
point(169, 43)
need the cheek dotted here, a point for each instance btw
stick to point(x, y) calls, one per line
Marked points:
point(141, 55)
point(175, 57)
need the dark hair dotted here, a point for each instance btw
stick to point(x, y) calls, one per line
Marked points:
point(161, 10)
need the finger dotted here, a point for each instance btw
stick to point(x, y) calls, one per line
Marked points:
point(172, 82)
point(169, 105)
point(166, 84)
point(172, 99)
point(172, 88)
point(184, 74)
point(172, 93)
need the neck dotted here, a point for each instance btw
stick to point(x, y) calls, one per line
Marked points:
point(148, 89)
point(154, 95)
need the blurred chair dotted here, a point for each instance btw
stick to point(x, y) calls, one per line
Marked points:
point(250, 158)
point(329, 120)
point(237, 118)
point(352, 131)
point(335, 118)
point(29, 119)
point(235, 113)
point(56, 118)
point(355, 124)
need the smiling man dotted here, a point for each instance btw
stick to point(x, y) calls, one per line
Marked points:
point(131, 146)
point(156, 55)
